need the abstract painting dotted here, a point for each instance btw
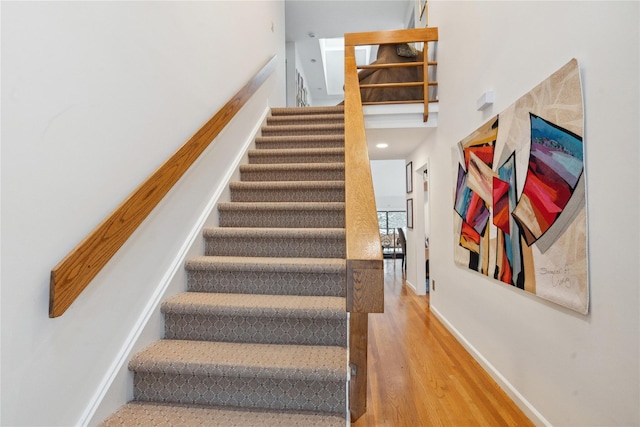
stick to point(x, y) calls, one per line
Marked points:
point(519, 200)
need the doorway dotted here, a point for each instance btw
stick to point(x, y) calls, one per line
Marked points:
point(427, 223)
point(422, 231)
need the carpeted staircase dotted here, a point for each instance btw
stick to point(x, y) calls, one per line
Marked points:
point(260, 336)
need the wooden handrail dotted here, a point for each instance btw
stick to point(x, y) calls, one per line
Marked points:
point(76, 270)
point(391, 36)
point(362, 233)
point(424, 35)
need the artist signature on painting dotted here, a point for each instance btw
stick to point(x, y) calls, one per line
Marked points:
point(559, 276)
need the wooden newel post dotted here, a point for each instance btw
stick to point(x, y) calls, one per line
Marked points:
point(359, 324)
point(365, 294)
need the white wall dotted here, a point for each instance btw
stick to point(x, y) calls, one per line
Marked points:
point(291, 74)
point(388, 184)
point(95, 96)
point(571, 370)
point(294, 64)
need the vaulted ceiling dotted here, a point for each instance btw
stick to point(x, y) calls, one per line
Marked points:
point(308, 21)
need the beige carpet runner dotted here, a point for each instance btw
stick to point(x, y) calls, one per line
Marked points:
point(260, 336)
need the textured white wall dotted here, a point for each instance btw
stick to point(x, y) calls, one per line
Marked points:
point(388, 184)
point(95, 96)
point(571, 370)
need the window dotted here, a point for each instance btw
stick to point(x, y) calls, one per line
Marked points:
point(388, 221)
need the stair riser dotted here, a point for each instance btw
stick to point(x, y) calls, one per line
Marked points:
point(301, 130)
point(292, 175)
point(288, 195)
point(265, 393)
point(306, 111)
point(253, 329)
point(307, 120)
point(276, 247)
point(267, 144)
point(298, 158)
point(282, 219)
point(266, 283)
point(144, 414)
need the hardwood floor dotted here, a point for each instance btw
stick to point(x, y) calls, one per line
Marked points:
point(419, 375)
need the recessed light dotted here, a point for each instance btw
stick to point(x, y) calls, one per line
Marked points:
point(313, 60)
point(312, 34)
point(382, 145)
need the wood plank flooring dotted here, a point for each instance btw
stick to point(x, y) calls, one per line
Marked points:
point(419, 375)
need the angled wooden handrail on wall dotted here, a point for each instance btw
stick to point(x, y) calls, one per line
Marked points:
point(413, 35)
point(76, 270)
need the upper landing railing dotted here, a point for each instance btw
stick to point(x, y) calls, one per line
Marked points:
point(76, 270)
point(424, 35)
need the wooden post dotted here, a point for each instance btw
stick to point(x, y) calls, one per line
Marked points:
point(425, 72)
point(359, 327)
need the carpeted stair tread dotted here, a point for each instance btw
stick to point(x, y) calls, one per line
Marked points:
point(288, 206)
point(286, 185)
point(256, 318)
point(145, 414)
point(267, 264)
point(297, 155)
point(311, 307)
point(330, 171)
point(273, 276)
point(295, 151)
point(306, 129)
point(287, 191)
point(275, 242)
point(274, 233)
point(247, 360)
point(288, 111)
point(281, 215)
point(299, 141)
point(297, 119)
point(292, 167)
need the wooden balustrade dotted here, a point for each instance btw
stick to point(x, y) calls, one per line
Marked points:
point(424, 35)
point(76, 270)
point(365, 275)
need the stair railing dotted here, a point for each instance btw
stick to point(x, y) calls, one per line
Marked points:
point(365, 277)
point(78, 268)
point(365, 274)
point(424, 35)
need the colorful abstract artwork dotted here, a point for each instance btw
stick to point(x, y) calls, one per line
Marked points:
point(519, 198)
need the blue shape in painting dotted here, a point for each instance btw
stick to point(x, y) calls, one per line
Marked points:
point(557, 148)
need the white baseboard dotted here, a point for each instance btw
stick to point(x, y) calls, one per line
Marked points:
point(121, 360)
point(526, 407)
point(412, 286)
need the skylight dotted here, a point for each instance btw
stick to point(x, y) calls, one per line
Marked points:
point(332, 53)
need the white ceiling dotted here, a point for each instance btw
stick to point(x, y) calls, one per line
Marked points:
point(332, 19)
